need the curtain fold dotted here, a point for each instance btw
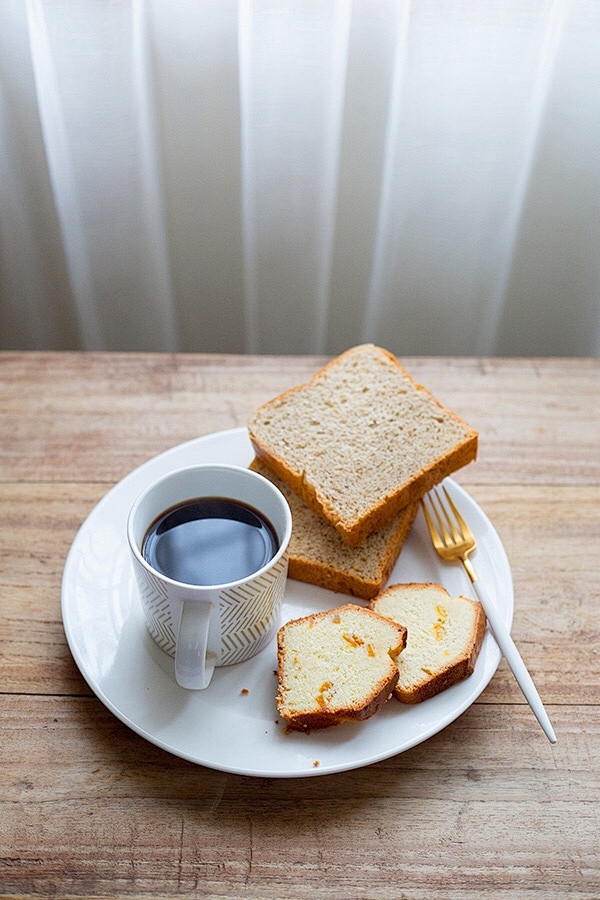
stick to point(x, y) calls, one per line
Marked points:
point(298, 176)
point(293, 62)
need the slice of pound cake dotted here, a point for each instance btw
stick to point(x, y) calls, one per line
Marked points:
point(444, 637)
point(360, 441)
point(319, 555)
point(335, 666)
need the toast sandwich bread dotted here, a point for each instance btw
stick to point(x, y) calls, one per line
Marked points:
point(360, 441)
point(319, 555)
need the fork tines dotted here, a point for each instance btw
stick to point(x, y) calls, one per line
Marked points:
point(459, 529)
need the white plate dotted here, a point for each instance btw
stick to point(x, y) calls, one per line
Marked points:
point(222, 727)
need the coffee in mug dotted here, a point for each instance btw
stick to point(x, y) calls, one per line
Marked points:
point(209, 545)
point(210, 540)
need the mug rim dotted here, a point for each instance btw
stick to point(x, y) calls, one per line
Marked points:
point(205, 588)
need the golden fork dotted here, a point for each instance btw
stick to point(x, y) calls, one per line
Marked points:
point(454, 541)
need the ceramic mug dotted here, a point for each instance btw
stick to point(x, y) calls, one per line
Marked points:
point(204, 626)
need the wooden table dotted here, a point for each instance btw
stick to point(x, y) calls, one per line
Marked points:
point(485, 809)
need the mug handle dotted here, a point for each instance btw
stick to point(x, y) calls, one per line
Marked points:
point(194, 666)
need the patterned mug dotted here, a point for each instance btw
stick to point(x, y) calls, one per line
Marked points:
point(204, 626)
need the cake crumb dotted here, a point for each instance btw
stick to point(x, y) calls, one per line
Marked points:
point(289, 730)
point(316, 762)
point(244, 691)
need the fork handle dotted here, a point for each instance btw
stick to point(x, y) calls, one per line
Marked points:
point(513, 658)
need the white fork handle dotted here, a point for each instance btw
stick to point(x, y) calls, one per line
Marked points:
point(513, 658)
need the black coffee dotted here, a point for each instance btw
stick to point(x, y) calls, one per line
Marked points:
point(211, 540)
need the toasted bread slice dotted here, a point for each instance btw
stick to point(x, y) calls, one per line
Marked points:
point(444, 637)
point(336, 666)
point(319, 555)
point(360, 441)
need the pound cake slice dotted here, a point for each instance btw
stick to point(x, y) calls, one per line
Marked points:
point(444, 637)
point(336, 666)
point(318, 554)
point(360, 441)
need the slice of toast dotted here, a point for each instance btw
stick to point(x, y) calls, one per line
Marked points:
point(319, 555)
point(360, 441)
point(444, 637)
point(336, 666)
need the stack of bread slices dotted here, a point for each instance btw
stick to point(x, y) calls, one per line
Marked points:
point(353, 451)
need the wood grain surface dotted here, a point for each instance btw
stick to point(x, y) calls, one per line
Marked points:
point(485, 809)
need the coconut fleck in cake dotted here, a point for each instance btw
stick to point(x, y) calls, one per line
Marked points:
point(360, 441)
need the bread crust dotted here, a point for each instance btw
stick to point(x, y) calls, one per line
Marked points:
point(383, 512)
point(459, 669)
point(333, 579)
point(315, 721)
point(309, 720)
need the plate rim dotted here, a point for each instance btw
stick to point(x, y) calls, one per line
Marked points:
point(329, 769)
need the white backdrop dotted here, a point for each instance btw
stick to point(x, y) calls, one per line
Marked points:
point(281, 176)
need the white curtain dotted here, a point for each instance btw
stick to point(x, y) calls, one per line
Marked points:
point(297, 176)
